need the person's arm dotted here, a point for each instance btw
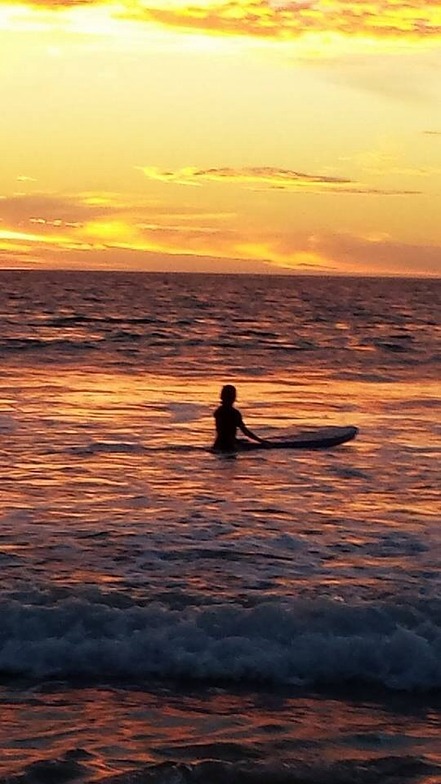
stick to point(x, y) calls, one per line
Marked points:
point(249, 434)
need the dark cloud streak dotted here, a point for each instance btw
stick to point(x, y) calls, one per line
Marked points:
point(271, 178)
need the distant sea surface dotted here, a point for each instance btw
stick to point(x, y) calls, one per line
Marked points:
point(168, 615)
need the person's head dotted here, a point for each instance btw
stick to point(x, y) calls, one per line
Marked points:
point(228, 394)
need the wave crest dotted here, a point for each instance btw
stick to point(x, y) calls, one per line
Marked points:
point(307, 643)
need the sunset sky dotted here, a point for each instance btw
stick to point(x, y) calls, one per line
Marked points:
point(221, 135)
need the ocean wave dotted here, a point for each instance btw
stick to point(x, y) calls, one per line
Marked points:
point(107, 447)
point(74, 765)
point(303, 643)
point(11, 345)
point(74, 320)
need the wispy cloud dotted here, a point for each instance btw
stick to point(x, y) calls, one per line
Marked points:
point(47, 209)
point(344, 252)
point(268, 178)
point(274, 19)
point(92, 222)
point(379, 254)
point(53, 4)
point(104, 229)
point(291, 20)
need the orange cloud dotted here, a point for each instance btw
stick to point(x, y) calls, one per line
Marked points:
point(43, 223)
point(53, 4)
point(275, 20)
point(291, 20)
point(94, 230)
point(268, 178)
point(46, 210)
point(378, 255)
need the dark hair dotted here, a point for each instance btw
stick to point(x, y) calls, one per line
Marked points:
point(228, 393)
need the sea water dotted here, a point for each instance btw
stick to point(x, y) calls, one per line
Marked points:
point(170, 615)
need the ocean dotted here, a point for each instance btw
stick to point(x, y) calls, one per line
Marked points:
point(169, 615)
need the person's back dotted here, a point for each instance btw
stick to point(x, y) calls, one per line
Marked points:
point(228, 419)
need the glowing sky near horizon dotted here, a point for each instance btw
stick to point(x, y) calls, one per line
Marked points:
point(221, 135)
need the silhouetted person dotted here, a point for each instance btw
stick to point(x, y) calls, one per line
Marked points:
point(228, 419)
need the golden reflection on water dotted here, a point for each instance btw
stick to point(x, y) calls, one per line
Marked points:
point(86, 451)
point(119, 725)
point(92, 500)
point(98, 510)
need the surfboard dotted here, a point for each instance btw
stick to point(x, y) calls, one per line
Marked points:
point(314, 438)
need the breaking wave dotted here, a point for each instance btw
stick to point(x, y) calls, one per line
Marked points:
point(305, 643)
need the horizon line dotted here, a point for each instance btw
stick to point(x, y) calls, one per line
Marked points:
point(230, 273)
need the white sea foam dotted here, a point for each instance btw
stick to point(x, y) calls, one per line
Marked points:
point(185, 412)
point(321, 642)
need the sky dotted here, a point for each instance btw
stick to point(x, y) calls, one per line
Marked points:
point(225, 136)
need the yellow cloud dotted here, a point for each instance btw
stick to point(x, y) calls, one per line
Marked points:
point(16, 236)
point(395, 20)
point(291, 20)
